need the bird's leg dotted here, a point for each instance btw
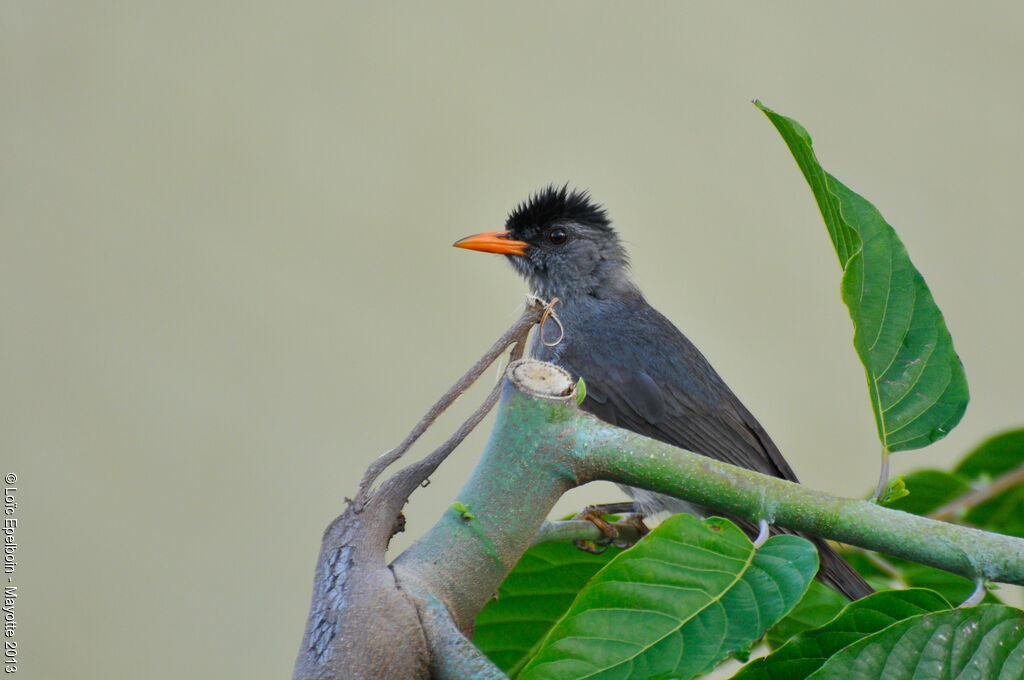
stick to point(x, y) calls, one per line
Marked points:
point(594, 514)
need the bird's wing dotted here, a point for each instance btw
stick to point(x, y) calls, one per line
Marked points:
point(678, 398)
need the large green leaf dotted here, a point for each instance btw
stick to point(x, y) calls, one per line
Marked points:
point(809, 651)
point(916, 381)
point(535, 595)
point(961, 644)
point(683, 599)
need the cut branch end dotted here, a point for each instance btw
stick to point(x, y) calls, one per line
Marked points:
point(541, 379)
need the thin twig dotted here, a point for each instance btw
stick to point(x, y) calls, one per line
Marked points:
point(531, 314)
point(405, 481)
point(954, 509)
point(584, 530)
point(400, 485)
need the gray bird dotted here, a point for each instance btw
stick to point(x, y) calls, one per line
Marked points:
point(641, 372)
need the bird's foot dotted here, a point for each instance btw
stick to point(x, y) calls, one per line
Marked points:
point(595, 515)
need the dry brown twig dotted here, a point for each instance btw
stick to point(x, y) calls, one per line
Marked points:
point(516, 335)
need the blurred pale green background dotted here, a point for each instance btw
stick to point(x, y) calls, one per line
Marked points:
point(227, 281)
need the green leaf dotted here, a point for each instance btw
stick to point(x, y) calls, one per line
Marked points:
point(535, 594)
point(581, 391)
point(463, 510)
point(895, 490)
point(978, 642)
point(818, 606)
point(809, 651)
point(683, 599)
point(915, 379)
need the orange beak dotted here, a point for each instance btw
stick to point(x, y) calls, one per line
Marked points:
point(493, 242)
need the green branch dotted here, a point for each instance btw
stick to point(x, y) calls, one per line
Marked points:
point(542, 445)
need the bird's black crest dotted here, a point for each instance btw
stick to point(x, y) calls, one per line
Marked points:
point(554, 204)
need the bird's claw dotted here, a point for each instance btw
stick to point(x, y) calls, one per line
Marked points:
point(592, 547)
point(594, 514)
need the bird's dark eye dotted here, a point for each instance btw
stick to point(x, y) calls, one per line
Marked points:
point(558, 236)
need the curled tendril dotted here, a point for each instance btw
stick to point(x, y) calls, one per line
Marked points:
point(549, 312)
